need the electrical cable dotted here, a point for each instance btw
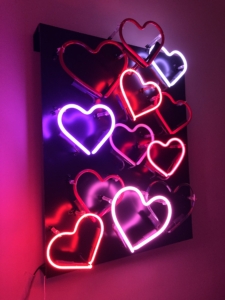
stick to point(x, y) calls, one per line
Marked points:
point(41, 268)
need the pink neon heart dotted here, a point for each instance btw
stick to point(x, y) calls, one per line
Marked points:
point(127, 102)
point(153, 235)
point(131, 130)
point(70, 265)
point(175, 164)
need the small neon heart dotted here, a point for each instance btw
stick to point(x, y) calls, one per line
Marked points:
point(188, 196)
point(83, 111)
point(79, 201)
point(147, 110)
point(179, 73)
point(112, 85)
point(132, 162)
point(133, 55)
point(62, 265)
point(176, 162)
point(177, 103)
point(153, 235)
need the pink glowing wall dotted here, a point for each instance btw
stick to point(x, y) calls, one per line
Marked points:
point(193, 269)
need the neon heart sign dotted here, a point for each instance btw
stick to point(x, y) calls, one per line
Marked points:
point(79, 200)
point(177, 103)
point(133, 55)
point(156, 233)
point(160, 72)
point(132, 162)
point(191, 197)
point(176, 163)
point(72, 265)
point(83, 111)
point(134, 116)
point(112, 85)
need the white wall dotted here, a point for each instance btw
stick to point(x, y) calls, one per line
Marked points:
point(189, 270)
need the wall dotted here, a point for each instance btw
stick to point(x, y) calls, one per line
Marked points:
point(190, 270)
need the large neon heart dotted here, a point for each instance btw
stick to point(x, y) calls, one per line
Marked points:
point(175, 164)
point(177, 103)
point(179, 73)
point(83, 111)
point(95, 51)
point(93, 251)
point(133, 55)
point(131, 130)
point(79, 201)
point(134, 116)
point(156, 233)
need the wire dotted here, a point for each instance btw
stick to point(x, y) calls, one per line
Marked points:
point(41, 268)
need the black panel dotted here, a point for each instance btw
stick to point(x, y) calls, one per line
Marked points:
point(62, 161)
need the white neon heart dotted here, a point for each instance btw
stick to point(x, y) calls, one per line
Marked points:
point(131, 130)
point(179, 75)
point(85, 112)
point(158, 198)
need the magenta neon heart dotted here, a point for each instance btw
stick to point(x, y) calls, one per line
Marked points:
point(153, 235)
point(131, 130)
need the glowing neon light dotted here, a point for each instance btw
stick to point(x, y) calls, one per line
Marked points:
point(147, 110)
point(131, 130)
point(78, 197)
point(112, 85)
point(179, 75)
point(83, 111)
point(175, 165)
point(177, 103)
point(141, 243)
point(73, 265)
point(134, 56)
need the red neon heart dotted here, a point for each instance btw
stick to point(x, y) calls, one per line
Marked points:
point(191, 197)
point(133, 55)
point(177, 103)
point(128, 103)
point(71, 265)
point(99, 47)
point(80, 203)
point(175, 164)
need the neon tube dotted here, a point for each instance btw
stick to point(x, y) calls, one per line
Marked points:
point(131, 130)
point(140, 244)
point(83, 111)
point(177, 103)
point(74, 266)
point(79, 200)
point(148, 110)
point(176, 164)
point(180, 74)
point(113, 85)
point(133, 55)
